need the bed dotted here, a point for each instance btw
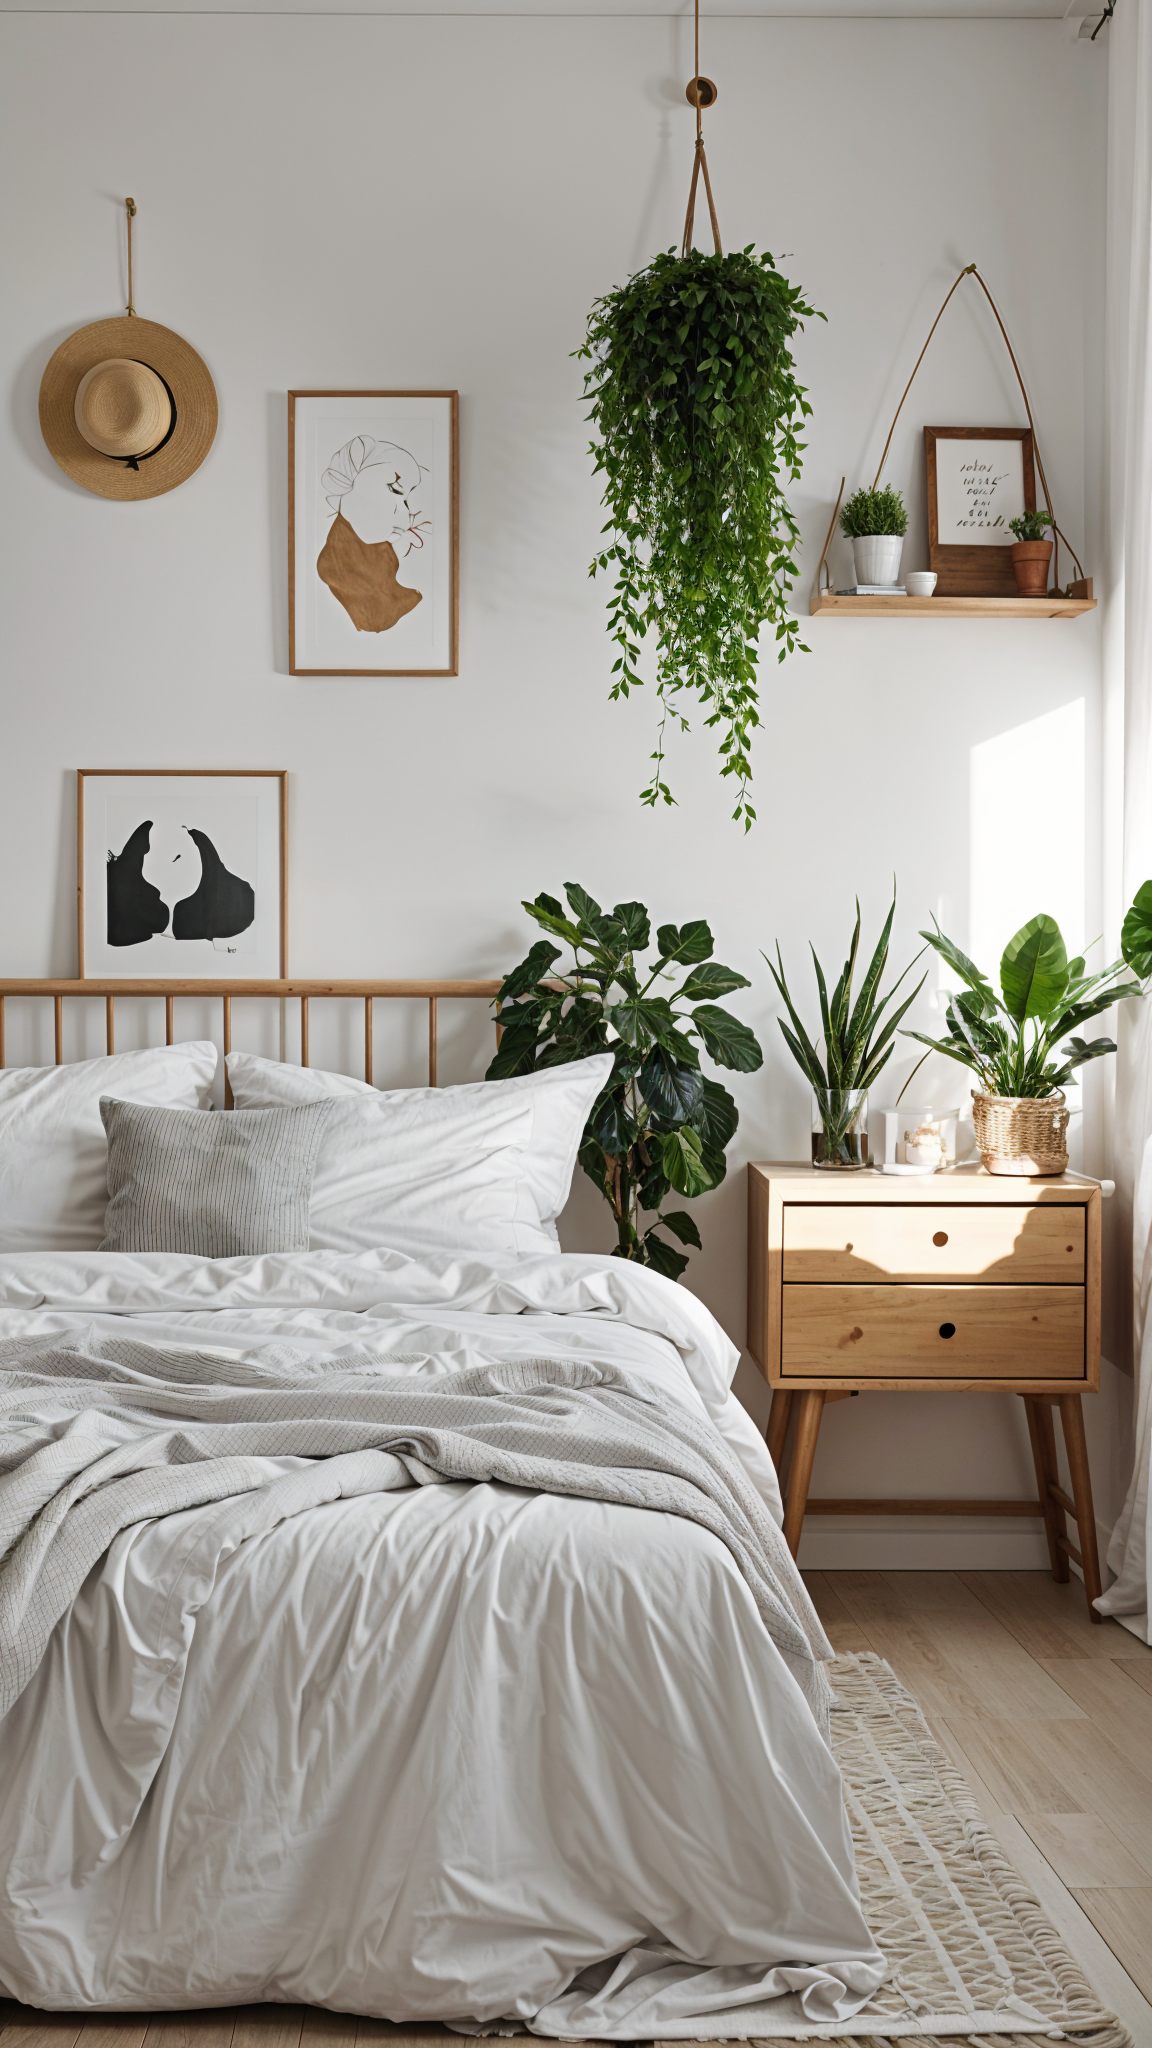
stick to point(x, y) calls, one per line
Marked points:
point(398, 1623)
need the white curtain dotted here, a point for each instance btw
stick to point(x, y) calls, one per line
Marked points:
point(1128, 704)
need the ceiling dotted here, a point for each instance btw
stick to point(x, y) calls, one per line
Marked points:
point(1073, 11)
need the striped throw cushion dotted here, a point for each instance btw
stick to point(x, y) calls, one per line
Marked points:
point(218, 1186)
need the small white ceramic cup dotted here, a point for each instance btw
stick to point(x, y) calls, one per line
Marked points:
point(920, 583)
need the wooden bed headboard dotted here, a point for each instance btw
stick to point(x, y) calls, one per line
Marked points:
point(303, 992)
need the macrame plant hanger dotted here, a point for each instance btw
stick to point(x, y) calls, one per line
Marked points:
point(700, 93)
point(969, 270)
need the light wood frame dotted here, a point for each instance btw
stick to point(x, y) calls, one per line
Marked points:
point(431, 992)
point(83, 775)
point(974, 571)
point(453, 668)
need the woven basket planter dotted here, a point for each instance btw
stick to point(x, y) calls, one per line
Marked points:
point(1018, 1135)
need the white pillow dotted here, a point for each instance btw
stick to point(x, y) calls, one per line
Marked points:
point(53, 1153)
point(485, 1167)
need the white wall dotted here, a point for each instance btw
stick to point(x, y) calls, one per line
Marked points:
point(435, 202)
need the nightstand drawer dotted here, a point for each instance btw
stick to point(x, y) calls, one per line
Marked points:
point(948, 1333)
point(1028, 1244)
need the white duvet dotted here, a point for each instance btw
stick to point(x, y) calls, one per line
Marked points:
point(458, 1752)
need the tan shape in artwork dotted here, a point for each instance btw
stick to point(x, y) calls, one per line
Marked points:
point(363, 576)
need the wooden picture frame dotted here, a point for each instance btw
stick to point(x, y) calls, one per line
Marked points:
point(381, 597)
point(147, 927)
point(992, 491)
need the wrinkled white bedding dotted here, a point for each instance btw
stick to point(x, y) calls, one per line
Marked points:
point(456, 1752)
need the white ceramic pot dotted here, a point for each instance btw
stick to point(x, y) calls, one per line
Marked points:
point(877, 557)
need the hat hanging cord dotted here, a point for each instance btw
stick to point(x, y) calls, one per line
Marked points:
point(700, 162)
point(130, 205)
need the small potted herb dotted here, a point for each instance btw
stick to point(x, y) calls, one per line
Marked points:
point(856, 1047)
point(875, 522)
point(1009, 1040)
point(1031, 553)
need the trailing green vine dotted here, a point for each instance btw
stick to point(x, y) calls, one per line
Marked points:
point(695, 399)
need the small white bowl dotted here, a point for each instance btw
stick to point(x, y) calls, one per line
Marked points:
point(920, 583)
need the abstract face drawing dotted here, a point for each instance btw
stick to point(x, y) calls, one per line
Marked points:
point(171, 878)
point(361, 557)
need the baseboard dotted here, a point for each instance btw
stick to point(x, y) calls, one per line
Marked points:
point(929, 1543)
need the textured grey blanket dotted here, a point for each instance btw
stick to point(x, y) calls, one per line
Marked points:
point(97, 1438)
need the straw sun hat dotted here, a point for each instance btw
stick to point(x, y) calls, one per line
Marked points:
point(127, 408)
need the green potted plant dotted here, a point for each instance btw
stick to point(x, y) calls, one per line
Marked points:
point(695, 399)
point(857, 1045)
point(660, 1124)
point(1031, 553)
point(1019, 1041)
point(875, 522)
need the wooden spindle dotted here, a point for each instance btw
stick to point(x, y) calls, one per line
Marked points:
point(58, 1006)
point(227, 1000)
point(303, 1031)
point(169, 1020)
point(368, 1040)
point(432, 1081)
point(110, 1023)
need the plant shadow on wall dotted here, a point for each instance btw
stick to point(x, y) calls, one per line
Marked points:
point(660, 1125)
point(694, 395)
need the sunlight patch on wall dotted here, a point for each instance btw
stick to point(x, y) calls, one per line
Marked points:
point(1027, 833)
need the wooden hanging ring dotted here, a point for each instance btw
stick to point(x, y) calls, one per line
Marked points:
point(700, 92)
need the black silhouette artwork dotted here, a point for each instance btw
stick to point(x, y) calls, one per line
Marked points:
point(135, 908)
point(221, 906)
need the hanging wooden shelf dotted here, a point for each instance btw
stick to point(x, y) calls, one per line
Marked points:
point(952, 607)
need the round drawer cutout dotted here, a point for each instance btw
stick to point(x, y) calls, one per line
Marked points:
point(947, 1329)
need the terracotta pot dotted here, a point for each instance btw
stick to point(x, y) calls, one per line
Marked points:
point(1030, 559)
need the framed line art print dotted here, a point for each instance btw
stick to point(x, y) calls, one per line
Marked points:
point(183, 873)
point(979, 478)
point(373, 533)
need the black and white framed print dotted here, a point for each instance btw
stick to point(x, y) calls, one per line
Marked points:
point(373, 533)
point(183, 874)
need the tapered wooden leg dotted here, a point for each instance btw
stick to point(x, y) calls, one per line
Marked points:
point(800, 1471)
point(1072, 1417)
point(1046, 1473)
point(778, 1415)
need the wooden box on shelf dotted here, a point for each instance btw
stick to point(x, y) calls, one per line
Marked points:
point(959, 1281)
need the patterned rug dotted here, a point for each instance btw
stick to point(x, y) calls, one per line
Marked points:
point(974, 1956)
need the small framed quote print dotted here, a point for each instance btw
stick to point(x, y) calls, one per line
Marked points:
point(979, 478)
point(373, 533)
point(183, 874)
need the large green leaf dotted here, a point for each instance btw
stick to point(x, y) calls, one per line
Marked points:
point(717, 1118)
point(682, 1226)
point(632, 919)
point(1136, 933)
point(710, 979)
point(584, 907)
point(726, 1040)
point(684, 1164)
point(611, 1126)
point(661, 1257)
point(532, 969)
point(965, 968)
point(672, 1090)
point(1034, 969)
point(548, 913)
point(686, 944)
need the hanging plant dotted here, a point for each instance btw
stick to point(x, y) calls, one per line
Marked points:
point(694, 395)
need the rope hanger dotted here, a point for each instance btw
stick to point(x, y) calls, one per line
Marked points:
point(130, 205)
point(700, 161)
point(970, 270)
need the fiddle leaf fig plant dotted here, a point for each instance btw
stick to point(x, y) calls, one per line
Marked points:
point(660, 1125)
point(694, 395)
point(1013, 1039)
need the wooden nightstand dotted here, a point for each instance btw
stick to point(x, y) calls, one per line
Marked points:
point(962, 1280)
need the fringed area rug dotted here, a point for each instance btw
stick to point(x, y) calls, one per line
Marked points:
point(974, 1957)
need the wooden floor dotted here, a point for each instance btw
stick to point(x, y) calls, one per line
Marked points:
point(1049, 1718)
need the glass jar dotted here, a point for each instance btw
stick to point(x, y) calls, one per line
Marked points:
point(840, 1128)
